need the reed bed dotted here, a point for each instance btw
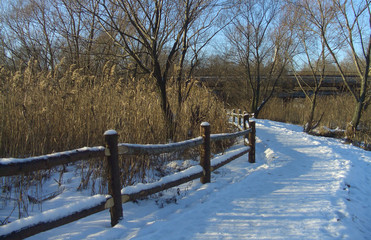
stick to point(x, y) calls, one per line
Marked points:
point(43, 112)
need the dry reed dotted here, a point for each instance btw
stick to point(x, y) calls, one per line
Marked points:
point(43, 112)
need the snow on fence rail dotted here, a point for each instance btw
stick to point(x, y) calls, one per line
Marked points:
point(27, 227)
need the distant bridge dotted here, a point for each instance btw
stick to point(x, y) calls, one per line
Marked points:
point(289, 88)
point(330, 81)
point(332, 84)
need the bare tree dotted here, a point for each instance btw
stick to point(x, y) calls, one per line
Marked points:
point(354, 28)
point(263, 39)
point(153, 34)
point(311, 22)
point(30, 33)
point(3, 52)
point(78, 33)
point(202, 20)
point(69, 23)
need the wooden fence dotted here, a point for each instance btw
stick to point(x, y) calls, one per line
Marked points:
point(111, 151)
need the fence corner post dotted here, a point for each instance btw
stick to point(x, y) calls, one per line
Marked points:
point(113, 175)
point(252, 142)
point(205, 152)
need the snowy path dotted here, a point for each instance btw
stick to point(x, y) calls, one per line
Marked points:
point(302, 187)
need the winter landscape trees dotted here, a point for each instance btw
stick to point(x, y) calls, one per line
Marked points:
point(262, 39)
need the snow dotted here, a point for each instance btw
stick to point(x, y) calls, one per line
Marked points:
point(222, 158)
point(110, 132)
point(301, 187)
point(159, 148)
point(53, 214)
point(59, 154)
point(176, 176)
point(205, 124)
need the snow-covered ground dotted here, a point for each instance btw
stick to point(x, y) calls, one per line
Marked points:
point(301, 187)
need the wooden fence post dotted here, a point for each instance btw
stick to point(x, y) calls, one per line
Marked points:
point(239, 117)
point(205, 152)
point(245, 121)
point(113, 175)
point(252, 142)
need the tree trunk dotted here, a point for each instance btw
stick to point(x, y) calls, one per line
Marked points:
point(309, 123)
point(351, 129)
point(352, 126)
point(165, 106)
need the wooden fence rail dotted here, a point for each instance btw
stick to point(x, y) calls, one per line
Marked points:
point(111, 151)
point(16, 166)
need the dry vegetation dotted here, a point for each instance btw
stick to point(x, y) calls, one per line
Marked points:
point(43, 113)
point(336, 112)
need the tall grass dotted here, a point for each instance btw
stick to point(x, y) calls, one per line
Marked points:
point(43, 112)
